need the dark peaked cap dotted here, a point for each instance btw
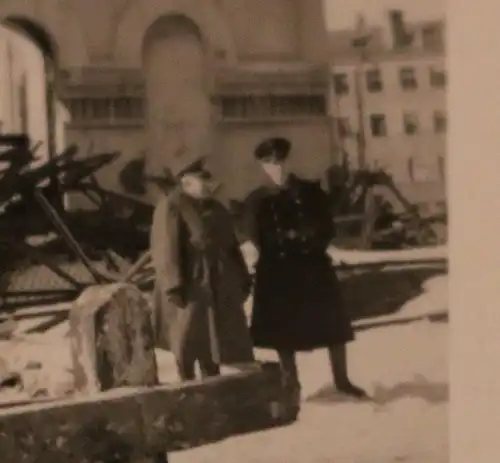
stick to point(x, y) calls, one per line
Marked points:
point(273, 149)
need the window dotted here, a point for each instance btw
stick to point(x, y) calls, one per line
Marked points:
point(410, 123)
point(341, 84)
point(128, 108)
point(378, 125)
point(343, 127)
point(437, 78)
point(78, 109)
point(235, 106)
point(99, 108)
point(432, 37)
point(440, 122)
point(374, 81)
point(408, 78)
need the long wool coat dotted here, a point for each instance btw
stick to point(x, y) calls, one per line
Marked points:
point(297, 303)
point(195, 253)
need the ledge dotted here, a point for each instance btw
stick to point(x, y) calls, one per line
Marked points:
point(123, 424)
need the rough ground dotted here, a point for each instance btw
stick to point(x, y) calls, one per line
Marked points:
point(404, 366)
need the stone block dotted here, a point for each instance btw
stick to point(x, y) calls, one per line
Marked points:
point(112, 341)
point(142, 424)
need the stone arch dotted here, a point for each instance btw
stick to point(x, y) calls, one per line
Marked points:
point(46, 113)
point(36, 33)
point(177, 82)
point(171, 24)
point(143, 13)
point(56, 24)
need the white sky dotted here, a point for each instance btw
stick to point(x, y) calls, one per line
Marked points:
point(341, 14)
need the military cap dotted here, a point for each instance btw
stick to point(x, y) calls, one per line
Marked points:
point(185, 162)
point(273, 149)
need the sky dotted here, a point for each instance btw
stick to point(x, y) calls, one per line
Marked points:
point(341, 14)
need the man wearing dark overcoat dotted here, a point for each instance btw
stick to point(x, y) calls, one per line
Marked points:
point(201, 277)
point(297, 304)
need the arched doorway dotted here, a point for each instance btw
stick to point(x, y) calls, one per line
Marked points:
point(178, 105)
point(42, 116)
point(43, 43)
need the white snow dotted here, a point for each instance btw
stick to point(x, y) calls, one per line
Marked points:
point(404, 367)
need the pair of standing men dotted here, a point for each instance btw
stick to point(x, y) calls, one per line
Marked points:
point(202, 280)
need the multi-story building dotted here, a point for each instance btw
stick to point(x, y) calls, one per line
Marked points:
point(389, 91)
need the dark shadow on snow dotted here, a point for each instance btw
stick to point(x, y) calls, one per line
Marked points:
point(375, 294)
point(431, 392)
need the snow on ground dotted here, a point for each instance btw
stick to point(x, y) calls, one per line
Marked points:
point(404, 367)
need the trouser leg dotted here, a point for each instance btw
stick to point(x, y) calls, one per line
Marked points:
point(338, 362)
point(186, 369)
point(209, 368)
point(289, 371)
point(290, 378)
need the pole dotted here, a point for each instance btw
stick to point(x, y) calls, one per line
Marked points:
point(360, 106)
point(360, 43)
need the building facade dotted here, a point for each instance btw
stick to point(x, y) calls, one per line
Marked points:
point(389, 88)
point(149, 78)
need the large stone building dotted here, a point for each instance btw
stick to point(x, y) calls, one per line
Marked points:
point(147, 77)
point(395, 79)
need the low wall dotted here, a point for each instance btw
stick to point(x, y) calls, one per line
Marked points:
point(130, 425)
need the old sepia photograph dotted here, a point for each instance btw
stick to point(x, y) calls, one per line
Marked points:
point(223, 231)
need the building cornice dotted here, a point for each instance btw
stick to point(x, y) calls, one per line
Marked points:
point(251, 78)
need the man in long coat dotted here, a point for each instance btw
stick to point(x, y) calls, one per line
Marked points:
point(297, 305)
point(202, 280)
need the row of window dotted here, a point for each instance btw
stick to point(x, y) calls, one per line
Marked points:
point(109, 109)
point(106, 109)
point(272, 106)
point(378, 124)
point(374, 82)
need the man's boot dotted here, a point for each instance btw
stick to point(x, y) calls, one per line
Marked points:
point(186, 370)
point(291, 383)
point(209, 369)
point(338, 361)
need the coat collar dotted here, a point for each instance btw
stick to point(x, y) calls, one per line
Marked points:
point(291, 184)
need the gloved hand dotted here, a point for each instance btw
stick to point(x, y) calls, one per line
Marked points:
point(177, 298)
point(248, 286)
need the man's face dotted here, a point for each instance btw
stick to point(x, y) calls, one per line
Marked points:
point(276, 170)
point(195, 185)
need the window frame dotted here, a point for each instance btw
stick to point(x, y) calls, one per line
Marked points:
point(383, 120)
point(404, 81)
point(375, 85)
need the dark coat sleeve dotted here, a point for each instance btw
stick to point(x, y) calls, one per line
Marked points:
point(323, 230)
point(249, 228)
point(235, 251)
point(164, 241)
